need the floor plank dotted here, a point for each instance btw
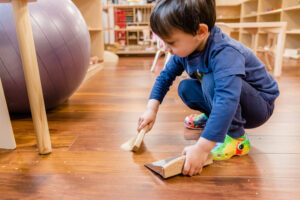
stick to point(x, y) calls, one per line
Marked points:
point(64, 186)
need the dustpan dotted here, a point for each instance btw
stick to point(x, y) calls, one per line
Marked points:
point(172, 166)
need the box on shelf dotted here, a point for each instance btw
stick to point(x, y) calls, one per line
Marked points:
point(292, 53)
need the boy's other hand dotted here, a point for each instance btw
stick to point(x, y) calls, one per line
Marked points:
point(196, 156)
point(195, 159)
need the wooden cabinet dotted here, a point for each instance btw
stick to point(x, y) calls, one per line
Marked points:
point(92, 13)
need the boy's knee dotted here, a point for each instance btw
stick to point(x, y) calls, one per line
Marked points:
point(182, 85)
point(184, 88)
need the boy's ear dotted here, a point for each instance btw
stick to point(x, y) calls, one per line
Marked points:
point(202, 31)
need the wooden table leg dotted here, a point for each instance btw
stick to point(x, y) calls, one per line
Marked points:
point(279, 51)
point(168, 57)
point(157, 55)
point(7, 139)
point(32, 77)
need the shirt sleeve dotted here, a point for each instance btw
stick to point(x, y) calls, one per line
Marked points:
point(163, 82)
point(227, 61)
point(225, 102)
point(228, 68)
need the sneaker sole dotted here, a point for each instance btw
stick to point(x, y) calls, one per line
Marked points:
point(231, 157)
point(193, 128)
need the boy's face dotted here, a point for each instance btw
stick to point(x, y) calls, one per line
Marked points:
point(183, 44)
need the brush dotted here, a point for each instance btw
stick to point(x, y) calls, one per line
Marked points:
point(134, 143)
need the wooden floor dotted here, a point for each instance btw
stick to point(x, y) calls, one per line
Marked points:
point(87, 131)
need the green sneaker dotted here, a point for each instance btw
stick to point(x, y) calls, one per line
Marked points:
point(231, 147)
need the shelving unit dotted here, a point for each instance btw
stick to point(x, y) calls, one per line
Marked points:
point(291, 14)
point(263, 11)
point(132, 29)
point(132, 21)
point(275, 39)
point(272, 11)
point(92, 13)
point(129, 32)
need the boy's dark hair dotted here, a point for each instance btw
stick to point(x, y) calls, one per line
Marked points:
point(185, 15)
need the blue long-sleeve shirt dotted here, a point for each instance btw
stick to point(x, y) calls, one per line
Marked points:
point(230, 62)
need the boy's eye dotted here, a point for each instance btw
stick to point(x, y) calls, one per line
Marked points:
point(170, 43)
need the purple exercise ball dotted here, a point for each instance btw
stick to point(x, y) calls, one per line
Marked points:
point(62, 45)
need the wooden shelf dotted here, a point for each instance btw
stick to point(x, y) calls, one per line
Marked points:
point(228, 3)
point(227, 18)
point(126, 29)
point(250, 15)
point(245, 33)
point(137, 23)
point(294, 8)
point(124, 52)
point(271, 12)
point(296, 31)
point(248, 1)
point(134, 6)
point(95, 29)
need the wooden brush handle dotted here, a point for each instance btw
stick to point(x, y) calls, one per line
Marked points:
point(140, 138)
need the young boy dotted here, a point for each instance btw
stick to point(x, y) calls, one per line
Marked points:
point(228, 84)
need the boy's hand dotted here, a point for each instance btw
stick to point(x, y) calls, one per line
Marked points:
point(196, 156)
point(148, 117)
